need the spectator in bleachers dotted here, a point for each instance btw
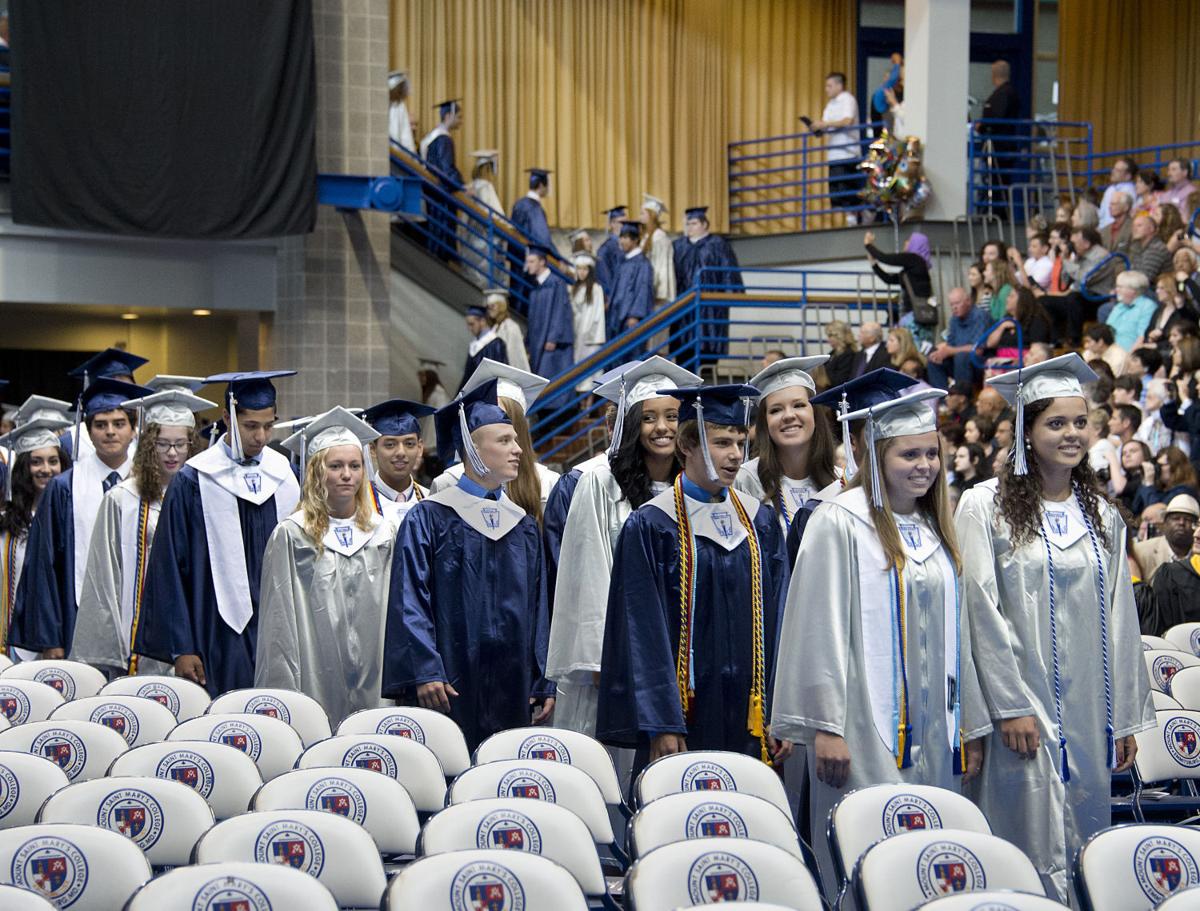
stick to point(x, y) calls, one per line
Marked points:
point(1127, 388)
point(1036, 269)
point(437, 148)
point(1020, 308)
point(972, 466)
point(914, 264)
point(769, 358)
point(975, 286)
point(993, 250)
point(485, 342)
point(998, 279)
point(1137, 463)
point(956, 408)
point(1125, 421)
point(1130, 314)
point(1086, 215)
point(632, 299)
point(1058, 284)
point(1120, 180)
point(1099, 343)
point(841, 112)
point(1175, 543)
point(508, 330)
point(1038, 352)
point(1069, 311)
point(873, 354)
point(1179, 187)
point(901, 348)
point(1173, 309)
point(551, 329)
point(1102, 454)
point(1172, 229)
point(991, 405)
point(951, 359)
point(879, 101)
point(400, 129)
point(1147, 253)
point(1118, 234)
point(1177, 588)
point(660, 254)
point(1146, 363)
point(842, 351)
point(1174, 475)
point(979, 430)
point(1147, 186)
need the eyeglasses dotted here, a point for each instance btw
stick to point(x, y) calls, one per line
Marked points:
point(165, 446)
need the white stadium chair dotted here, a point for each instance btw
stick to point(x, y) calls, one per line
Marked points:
point(71, 678)
point(483, 879)
point(433, 729)
point(16, 899)
point(1168, 752)
point(1162, 665)
point(82, 749)
point(993, 900)
point(711, 870)
point(557, 745)
point(413, 765)
point(25, 783)
point(333, 850)
point(376, 802)
point(271, 743)
point(1162, 701)
point(225, 777)
point(532, 826)
point(84, 868)
point(164, 818)
point(27, 700)
point(679, 817)
point(870, 814)
point(1185, 637)
point(1136, 866)
point(900, 873)
point(1185, 688)
point(137, 719)
point(302, 712)
point(709, 770)
point(541, 779)
point(5, 662)
point(744, 906)
point(184, 698)
point(1157, 642)
point(256, 887)
point(1183, 900)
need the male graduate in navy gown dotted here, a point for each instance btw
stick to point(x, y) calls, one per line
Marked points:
point(485, 343)
point(696, 250)
point(550, 325)
point(56, 556)
point(111, 363)
point(529, 216)
point(633, 290)
point(437, 148)
point(693, 671)
point(609, 256)
point(395, 455)
point(200, 607)
point(467, 621)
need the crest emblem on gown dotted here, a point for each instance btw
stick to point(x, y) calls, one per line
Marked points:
point(723, 522)
point(253, 481)
point(910, 533)
point(1181, 735)
point(344, 534)
point(1163, 866)
point(1057, 521)
point(491, 517)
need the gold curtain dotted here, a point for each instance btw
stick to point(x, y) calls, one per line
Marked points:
point(620, 97)
point(1131, 69)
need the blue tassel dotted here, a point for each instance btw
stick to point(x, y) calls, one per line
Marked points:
point(958, 760)
point(906, 759)
point(1112, 748)
point(1062, 751)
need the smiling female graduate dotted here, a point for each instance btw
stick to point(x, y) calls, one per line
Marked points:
point(1053, 620)
point(875, 676)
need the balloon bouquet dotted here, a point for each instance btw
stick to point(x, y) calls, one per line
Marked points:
point(895, 183)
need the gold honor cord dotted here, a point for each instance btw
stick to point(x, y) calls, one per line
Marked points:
point(902, 732)
point(9, 594)
point(139, 581)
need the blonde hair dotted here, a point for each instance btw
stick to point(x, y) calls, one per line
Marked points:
point(314, 500)
point(934, 506)
point(652, 225)
point(501, 310)
point(908, 348)
point(526, 489)
point(839, 333)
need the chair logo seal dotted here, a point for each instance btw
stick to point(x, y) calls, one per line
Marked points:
point(230, 893)
point(401, 726)
point(714, 820)
point(908, 812)
point(707, 776)
point(121, 718)
point(486, 886)
point(1182, 738)
point(944, 867)
point(133, 813)
point(52, 867)
point(161, 694)
point(337, 795)
point(510, 830)
point(719, 876)
point(58, 679)
point(526, 783)
point(187, 768)
point(239, 735)
point(271, 706)
point(370, 756)
point(1163, 866)
point(292, 844)
point(544, 746)
point(62, 748)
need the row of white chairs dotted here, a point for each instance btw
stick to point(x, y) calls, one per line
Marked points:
point(1184, 637)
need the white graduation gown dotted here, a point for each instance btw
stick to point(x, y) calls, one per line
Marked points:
point(509, 332)
point(474, 239)
point(400, 129)
point(321, 613)
point(449, 478)
point(1008, 591)
point(662, 261)
point(796, 492)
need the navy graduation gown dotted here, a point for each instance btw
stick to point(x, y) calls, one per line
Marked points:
point(712, 252)
point(639, 695)
point(550, 320)
point(443, 236)
point(796, 530)
point(554, 522)
point(45, 607)
point(471, 612)
point(633, 294)
point(495, 349)
point(530, 218)
point(179, 604)
point(608, 260)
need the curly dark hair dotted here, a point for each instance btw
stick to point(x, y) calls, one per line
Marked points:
point(16, 518)
point(628, 463)
point(1019, 500)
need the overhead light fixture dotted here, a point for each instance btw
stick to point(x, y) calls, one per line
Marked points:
point(201, 313)
point(129, 316)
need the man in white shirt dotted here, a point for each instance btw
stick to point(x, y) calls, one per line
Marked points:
point(843, 151)
point(1037, 268)
point(1120, 181)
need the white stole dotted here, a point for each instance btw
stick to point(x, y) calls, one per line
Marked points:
point(718, 522)
point(131, 507)
point(222, 483)
point(87, 491)
point(491, 518)
point(877, 616)
point(439, 130)
point(481, 342)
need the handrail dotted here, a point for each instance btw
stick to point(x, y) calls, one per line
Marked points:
point(979, 362)
point(1095, 270)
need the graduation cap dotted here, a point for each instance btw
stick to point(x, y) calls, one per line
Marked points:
point(639, 381)
point(450, 106)
point(614, 372)
point(696, 212)
point(786, 373)
point(467, 413)
point(487, 156)
point(165, 381)
point(874, 388)
point(41, 406)
point(490, 294)
point(476, 310)
point(631, 228)
point(169, 408)
point(1060, 377)
point(108, 363)
point(396, 78)
point(213, 431)
point(537, 176)
point(541, 250)
point(730, 405)
point(904, 416)
point(251, 390)
point(40, 433)
point(654, 204)
point(583, 258)
point(431, 362)
point(578, 234)
point(336, 427)
point(396, 417)
point(287, 428)
point(513, 383)
point(107, 394)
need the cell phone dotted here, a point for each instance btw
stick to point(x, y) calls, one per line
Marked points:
point(806, 120)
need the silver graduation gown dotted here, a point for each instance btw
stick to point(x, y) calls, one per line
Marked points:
point(1026, 801)
point(821, 674)
point(321, 617)
point(103, 626)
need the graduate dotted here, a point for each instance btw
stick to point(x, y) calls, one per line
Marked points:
point(400, 129)
point(38, 457)
point(394, 456)
point(508, 330)
point(528, 213)
point(632, 298)
point(609, 256)
point(696, 250)
point(473, 238)
point(550, 321)
point(467, 619)
point(694, 601)
point(200, 604)
point(1054, 623)
point(111, 363)
point(640, 463)
point(516, 391)
point(659, 253)
point(437, 148)
point(114, 586)
point(587, 312)
point(61, 534)
point(486, 343)
point(875, 674)
point(325, 575)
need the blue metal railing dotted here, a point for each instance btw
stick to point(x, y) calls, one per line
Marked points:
point(780, 178)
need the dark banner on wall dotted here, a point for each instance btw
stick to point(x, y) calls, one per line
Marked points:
point(184, 118)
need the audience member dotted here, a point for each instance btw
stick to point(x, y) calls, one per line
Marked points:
point(901, 347)
point(1022, 309)
point(1124, 422)
point(770, 357)
point(975, 284)
point(1175, 542)
point(1146, 186)
point(1102, 454)
point(1177, 588)
point(1179, 187)
point(1086, 215)
point(979, 430)
point(1038, 352)
point(1120, 181)
point(1035, 271)
point(1003, 438)
point(1153, 431)
point(956, 406)
point(1099, 343)
point(1081, 266)
point(1173, 308)
point(1137, 463)
point(1146, 363)
point(914, 262)
point(1130, 314)
point(873, 354)
point(993, 250)
point(991, 404)
point(842, 152)
point(1174, 475)
point(843, 349)
point(952, 356)
point(1127, 388)
point(972, 466)
point(1118, 233)
point(998, 279)
point(1172, 229)
point(1147, 253)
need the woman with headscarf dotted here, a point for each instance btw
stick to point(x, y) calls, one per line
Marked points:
point(913, 278)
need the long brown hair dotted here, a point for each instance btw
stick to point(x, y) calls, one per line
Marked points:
point(146, 471)
point(821, 450)
point(526, 489)
point(589, 283)
point(314, 501)
point(934, 507)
